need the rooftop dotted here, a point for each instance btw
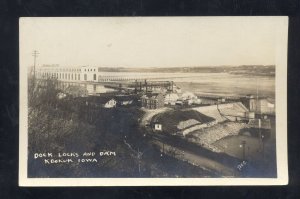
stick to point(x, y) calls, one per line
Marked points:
point(175, 120)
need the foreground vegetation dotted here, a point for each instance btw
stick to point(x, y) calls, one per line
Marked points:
point(70, 125)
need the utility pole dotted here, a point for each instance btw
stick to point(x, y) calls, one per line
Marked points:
point(35, 54)
point(139, 156)
point(146, 85)
point(263, 147)
point(163, 150)
point(243, 145)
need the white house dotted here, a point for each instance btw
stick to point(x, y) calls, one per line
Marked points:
point(190, 98)
point(110, 104)
point(188, 95)
point(179, 102)
point(190, 101)
point(197, 101)
point(61, 95)
point(158, 127)
point(171, 98)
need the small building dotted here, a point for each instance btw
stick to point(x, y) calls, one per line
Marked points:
point(101, 101)
point(190, 98)
point(261, 105)
point(188, 95)
point(250, 115)
point(189, 101)
point(152, 101)
point(197, 101)
point(157, 127)
point(126, 100)
point(171, 98)
point(110, 103)
point(179, 102)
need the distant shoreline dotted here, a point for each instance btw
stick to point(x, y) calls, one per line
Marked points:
point(253, 70)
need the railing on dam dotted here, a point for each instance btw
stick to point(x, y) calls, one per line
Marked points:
point(117, 83)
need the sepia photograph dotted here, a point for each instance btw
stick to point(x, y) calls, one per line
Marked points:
point(147, 101)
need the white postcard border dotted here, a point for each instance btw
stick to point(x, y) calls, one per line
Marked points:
point(281, 134)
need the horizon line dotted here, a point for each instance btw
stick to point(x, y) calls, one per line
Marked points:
point(200, 66)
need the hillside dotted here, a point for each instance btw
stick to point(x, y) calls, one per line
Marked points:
point(173, 121)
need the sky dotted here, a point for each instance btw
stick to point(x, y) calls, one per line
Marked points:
point(149, 42)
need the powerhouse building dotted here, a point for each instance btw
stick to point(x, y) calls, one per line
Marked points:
point(84, 74)
point(68, 74)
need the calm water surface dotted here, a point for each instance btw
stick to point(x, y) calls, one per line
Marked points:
point(206, 83)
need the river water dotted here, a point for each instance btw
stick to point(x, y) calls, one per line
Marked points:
point(210, 83)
